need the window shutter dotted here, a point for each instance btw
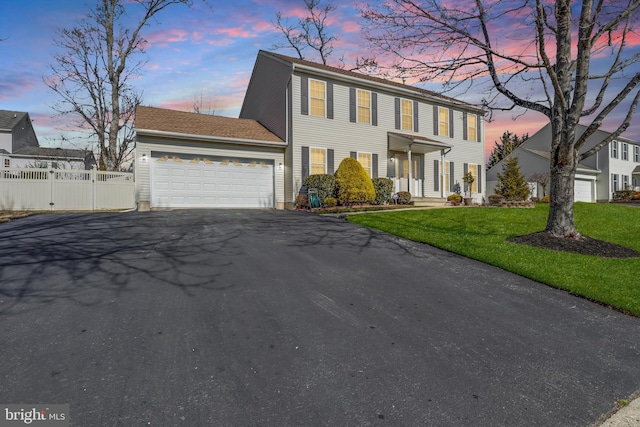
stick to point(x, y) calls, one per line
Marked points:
point(478, 127)
point(397, 105)
point(415, 116)
point(465, 131)
point(391, 168)
point(479, 177)
point(304, 95)
point(305, 163)
point(352, 105)
point(421, 167)
point(374, 109)
point(330, 166)
point(329, 100)
point(450, 123)
point(465, 169)
point(435, 120)
point(436, 175)
point(374, 165)
point(353, 155)
point(452, 182)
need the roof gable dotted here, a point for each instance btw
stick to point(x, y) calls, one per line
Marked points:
point(181, 122)
point(9, 119)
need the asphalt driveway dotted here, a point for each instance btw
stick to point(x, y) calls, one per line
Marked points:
point(266, 318)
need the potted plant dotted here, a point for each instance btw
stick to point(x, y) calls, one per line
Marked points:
point(468, 180)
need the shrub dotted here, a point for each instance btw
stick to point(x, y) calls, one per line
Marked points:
point(511, 183)
point(330, 202)
point(383, 188)
point(495, 199)
point(324, 183)
point(454, 199)
point(636, 196)
point(404, 197)
point(302, 201)
point(545, 199)
point(623, 195)
point(353, 185)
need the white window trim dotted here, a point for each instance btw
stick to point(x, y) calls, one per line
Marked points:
point(311, 157)
point(625, 151)
point(475, 176)
point(469, 127)
point(614, 149)
point(446, 110)
point(370, 107)
point(636, 153)
point(402, 115)
point(614, 182)
point(325, 97)
point(370, 158)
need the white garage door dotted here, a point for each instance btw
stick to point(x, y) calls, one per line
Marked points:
point(583, 190)
point(188, 181)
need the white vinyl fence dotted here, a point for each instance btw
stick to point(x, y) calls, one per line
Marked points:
point(60, 189)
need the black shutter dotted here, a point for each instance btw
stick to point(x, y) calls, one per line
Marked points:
point(353, 155)
point(436, 175)
point(465, 170)
point(450, 123)
point(352, 105)
point(452, 182)
point(329, 100)
point(415, 116)
point(397, 106)
point(304, 95)
point(374, 109)
point(435, 120)
point(465, 131)
point(374, 166)
point(305, 163)
point(479, 137)
point(479, 178)
point(330, 165)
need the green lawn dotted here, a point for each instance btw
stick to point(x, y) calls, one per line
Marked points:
point(480, 233)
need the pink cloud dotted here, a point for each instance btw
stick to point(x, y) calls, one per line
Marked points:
point(235, 32)
point(164, 37)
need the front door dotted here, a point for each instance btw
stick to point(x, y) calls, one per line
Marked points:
point(402, 175)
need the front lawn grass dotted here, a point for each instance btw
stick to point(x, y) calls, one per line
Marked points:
point(481, 233)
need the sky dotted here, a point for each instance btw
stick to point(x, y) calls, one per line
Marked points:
point(200, 56)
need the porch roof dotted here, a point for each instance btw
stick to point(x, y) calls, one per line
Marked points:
point(417, 144)
point(636, 171)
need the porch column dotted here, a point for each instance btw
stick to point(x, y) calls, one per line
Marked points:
point(442, 173)
point(409, 171)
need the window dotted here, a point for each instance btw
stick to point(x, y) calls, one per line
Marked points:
point(614, 181)
point(625, 151)
point(446, 182)
point(317, 98)
point(474, 171)
point(614, 149)
point(364, 106)
point(625, 182)
point(365, 161)
point(317, 161)
point(7, 163)
point(472, 128)
point(636, 154)
point(443, 121)
point(407, 114)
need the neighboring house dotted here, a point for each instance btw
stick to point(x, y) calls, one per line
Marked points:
point(19, 147)
point(314, 116)
point(614, 167)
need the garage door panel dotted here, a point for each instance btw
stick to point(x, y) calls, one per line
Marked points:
point(583, 190)
point(191, 182)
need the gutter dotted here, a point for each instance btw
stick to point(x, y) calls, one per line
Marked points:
point(240, 141)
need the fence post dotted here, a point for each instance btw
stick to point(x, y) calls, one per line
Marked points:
point(52, 179)
point(94, 185)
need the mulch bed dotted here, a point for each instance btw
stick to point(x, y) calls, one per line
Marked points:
point(585, 245)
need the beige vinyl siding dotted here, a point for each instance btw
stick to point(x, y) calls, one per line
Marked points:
point(147, 145)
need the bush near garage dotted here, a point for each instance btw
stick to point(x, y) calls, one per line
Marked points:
point(383, 188)
point(353, 185)
point(324, 183)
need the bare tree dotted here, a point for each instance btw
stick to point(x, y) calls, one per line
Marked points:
point(547, 69)
point(92, 74)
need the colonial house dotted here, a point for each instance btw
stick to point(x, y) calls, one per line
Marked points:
point(19, 147)
point(615, 167)
point(300, 118)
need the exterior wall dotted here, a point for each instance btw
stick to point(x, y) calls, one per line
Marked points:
point(266, 97)
point(610, 165)
point(344, 137)
point(146, 145)
point(23, 135)
point(5, 141)
point(30, 162)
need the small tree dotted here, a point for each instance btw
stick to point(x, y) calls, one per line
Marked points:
point(511, 183)
point(353, 184)
point(541, 178)
point(468, 180)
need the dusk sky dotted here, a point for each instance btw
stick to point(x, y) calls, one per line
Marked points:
point(197, 55)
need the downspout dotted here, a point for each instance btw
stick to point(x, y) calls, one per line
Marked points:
point(442, 162)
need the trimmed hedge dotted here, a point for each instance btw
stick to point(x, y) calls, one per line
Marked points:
point(326, 185)
point(383, 188)
point(353, 185)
